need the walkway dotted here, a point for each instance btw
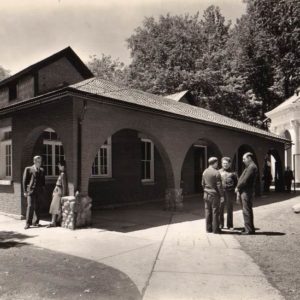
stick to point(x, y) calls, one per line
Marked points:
point(167, 256)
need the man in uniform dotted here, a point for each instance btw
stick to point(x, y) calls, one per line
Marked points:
point(213, 195)
point(246, 189)
point(229, 182)
point(33, 186)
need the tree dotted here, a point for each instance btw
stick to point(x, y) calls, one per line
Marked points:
point(176, 53)
point(3, 73)
point(107, 68)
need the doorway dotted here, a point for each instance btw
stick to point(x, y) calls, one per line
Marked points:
point(200, 159)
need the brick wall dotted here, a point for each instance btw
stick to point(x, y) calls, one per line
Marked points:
point(25, 88)
point(3, 96)
point(57, 74)
point(125, 185)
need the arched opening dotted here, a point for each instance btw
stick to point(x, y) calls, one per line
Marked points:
point(273, 172)
point(45, 142)
point(238, 165)
point(195, 163)
point(130, 167)
point(288, 150)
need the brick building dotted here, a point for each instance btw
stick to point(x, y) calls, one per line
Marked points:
point(121, 145)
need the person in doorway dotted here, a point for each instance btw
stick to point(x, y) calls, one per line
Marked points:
point(229, 182)
point(213, 195)
point(60, 190)
point(288, 178)
point(33, 187)
point(246, 190)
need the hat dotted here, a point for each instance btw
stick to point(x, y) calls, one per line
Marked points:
point(212, 160)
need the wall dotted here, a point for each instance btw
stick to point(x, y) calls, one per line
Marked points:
point(26, 131)
point(25, 88)
point(3, 96)
point(125, 185)
point(56, 75)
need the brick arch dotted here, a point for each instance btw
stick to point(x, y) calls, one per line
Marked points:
point(28, 151)
point(89, 155)
point(194, 161)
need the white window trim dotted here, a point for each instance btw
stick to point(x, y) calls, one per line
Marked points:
point(108, 147)
point(151, 179)
point(53, 144)
point(4, 144)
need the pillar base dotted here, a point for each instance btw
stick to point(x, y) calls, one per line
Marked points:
point(173, 199)
point(76, 211)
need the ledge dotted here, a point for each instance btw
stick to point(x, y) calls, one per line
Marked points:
point(148, 182)
point(5, 182)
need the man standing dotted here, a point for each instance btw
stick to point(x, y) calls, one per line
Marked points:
point(229, 182)
point(246, 189)
point(213, 194)
point(33, 186)
point(288, 178)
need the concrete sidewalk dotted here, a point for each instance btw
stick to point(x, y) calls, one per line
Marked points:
point(168, 256)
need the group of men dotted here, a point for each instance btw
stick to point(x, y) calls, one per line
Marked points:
point(222, 187)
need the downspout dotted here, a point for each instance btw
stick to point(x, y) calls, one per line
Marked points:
point(79, 144)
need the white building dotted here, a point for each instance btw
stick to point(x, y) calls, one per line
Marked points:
point(285, 121)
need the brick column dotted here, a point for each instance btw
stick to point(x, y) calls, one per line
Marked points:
point(173, 199)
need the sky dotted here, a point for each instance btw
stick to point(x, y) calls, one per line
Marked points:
point(31, 30)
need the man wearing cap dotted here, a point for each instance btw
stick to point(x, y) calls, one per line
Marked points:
point(213, 194)
point(246, 189)
point(229, 182)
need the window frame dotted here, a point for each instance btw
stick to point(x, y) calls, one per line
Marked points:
point(4, 144)
point(108, 147)
point(53, 144)
point(152, 171)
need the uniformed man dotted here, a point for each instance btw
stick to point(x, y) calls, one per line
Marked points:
point(213, 195)
point(288, 178)
point(246, 189)
point(33, 186)
point(229, 182)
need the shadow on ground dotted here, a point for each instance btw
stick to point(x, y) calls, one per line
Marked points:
point(140, 217)
point(10, 239)
point(35, 273)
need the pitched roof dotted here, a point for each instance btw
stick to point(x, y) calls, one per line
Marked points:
point(120, 93)
point(67, 52)
point(290, 102)
point(177, 96)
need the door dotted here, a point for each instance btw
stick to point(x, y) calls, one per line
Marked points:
point(199, 166)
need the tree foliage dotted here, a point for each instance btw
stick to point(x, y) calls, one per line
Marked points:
point(3, 73)
point(241, 71)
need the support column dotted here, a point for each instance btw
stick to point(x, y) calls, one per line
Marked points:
point(296, 149)
point(173, 199)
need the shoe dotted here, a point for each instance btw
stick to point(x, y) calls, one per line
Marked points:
point(247, 233)
point(27, 226)
point(209, 231)
point(37, 225)
point(51, 225)
point(219, 232)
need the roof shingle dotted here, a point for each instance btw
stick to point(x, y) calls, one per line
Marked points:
point(117, 92)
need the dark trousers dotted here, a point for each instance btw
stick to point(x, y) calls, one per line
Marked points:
point(229, 197)
point(33, 207)
point(246, 199)
point(212, 212)
point(288, 186)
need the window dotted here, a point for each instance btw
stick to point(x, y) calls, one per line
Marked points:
point(12, 92)
point(102, 163)
point(147, 162)
point(53, 152)
point(8, 160)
